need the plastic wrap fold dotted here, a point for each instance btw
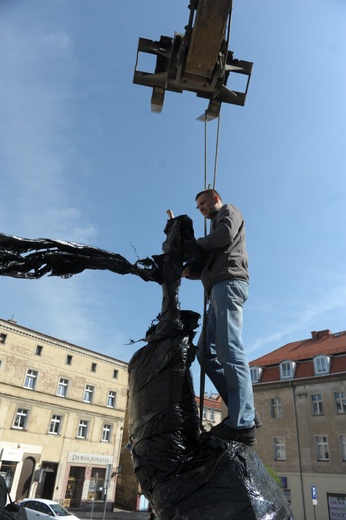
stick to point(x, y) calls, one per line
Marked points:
point(182, 479)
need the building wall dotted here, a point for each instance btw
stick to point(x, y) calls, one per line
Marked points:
point(299, 427)
point(59, 463)
point(212, 410)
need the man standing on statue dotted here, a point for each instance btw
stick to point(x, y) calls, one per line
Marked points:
point(225, 278)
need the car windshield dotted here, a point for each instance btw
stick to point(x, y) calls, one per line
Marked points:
point(59, 510)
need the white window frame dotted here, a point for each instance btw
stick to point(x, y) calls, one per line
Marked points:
point(340, 402)
point(21, 418)
point(63, 384)
point(322, 447)
point(256, 373)
point(279, 448)
point(31, 377)
point(317, 404)
point(88, 394)
point(277, 411)
point(106, 433)
point(321, 364)
point(83, 428)
point(111, 399)
point(55, 424)
point(287, 369)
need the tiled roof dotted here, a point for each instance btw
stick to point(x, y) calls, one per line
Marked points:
point(304, 369)
point(302, 353)
point(215, 404)
point(323, 342)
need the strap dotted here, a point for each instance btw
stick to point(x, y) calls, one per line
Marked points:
point(202, 364)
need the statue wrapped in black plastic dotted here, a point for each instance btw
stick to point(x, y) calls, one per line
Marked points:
point(182, 478)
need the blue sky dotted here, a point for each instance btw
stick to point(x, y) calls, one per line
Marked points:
point(82, 158)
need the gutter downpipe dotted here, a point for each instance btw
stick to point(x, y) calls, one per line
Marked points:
point(298, 447)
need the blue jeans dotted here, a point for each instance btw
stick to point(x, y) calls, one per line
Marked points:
point(226, 363)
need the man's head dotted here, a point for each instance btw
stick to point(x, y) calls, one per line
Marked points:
point(208, 201)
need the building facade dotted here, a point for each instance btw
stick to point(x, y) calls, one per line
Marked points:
point(211, 414)
point(300, 393)
point(62, 413)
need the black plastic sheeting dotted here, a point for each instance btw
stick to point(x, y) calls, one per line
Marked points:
point(34, 258)
point(181, 478)
point(11, 511)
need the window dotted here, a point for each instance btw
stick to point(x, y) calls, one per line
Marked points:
point(0, 363)
point(21, 419)
point(106, 433)
point(3, 337)
point(322, 450)
point(317, 405)
point(111, 399)
point(212, 415)
point(276, 408)
point(38, 350)
point(321, 364)
point(340, 402)
point(115, 374)
point(82, 431)
point(279, 448)
point(88, 394)
point(32, 504)
point(55, 424)
point(93, 367)
point(62, 387)
point(31, 379)
point(287, 369)
point(45, 509)
point(68, 359)
point(343, 447)
point(256, 373)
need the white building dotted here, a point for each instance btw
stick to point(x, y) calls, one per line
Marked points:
point(62, 412)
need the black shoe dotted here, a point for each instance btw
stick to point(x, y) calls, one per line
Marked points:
point(222, 431)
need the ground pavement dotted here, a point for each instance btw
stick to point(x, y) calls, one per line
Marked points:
point(117, 514)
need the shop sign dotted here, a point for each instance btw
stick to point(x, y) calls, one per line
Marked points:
point(89, 458)
point(337, 506)
point(11, 454)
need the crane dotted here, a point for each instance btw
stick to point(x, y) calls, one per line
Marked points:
point(198, 60)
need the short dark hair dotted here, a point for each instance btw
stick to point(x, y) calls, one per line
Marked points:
point(209, 193)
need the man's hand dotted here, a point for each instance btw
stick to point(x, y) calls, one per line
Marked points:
point(186, 272)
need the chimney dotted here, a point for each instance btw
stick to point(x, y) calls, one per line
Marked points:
point(320, 334)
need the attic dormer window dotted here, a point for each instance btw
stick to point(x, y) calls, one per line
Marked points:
point(287, 369)
point(256, 373)
point(321, 364)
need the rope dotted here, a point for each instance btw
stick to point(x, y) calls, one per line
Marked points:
point(217, 149)
point(205, 148)
point(204, 328)
point(202, 354)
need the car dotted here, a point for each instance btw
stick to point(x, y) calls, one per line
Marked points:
point(42, 508)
